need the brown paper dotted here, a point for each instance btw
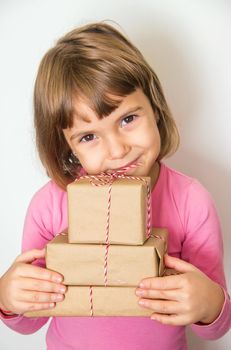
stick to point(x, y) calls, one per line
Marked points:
point(88, 208)
point(83, 264)
point(107, 301)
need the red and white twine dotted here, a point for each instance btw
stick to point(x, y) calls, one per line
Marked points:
point(106, 178)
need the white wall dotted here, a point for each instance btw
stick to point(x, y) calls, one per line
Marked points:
point(188, 44)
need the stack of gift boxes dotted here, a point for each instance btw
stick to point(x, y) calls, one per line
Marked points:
point(107, 250)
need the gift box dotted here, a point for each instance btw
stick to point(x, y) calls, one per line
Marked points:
point(96, 301)
point(84, 264)
point(91, 300)
point(88, 210)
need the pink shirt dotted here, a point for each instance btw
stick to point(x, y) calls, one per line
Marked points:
point(180, 204)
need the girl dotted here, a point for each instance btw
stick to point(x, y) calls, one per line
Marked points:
point(98, 107)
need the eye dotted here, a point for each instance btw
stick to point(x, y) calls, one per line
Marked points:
point(128, 119)
point(87, 138)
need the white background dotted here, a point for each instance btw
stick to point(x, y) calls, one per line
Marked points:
point(188, 44)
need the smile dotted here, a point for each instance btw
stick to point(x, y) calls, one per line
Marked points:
point(126, 165)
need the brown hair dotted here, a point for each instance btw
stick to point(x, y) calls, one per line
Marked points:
point(95, 61)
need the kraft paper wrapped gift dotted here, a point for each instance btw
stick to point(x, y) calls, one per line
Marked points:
point(106, 301)
point(83, 264)
point(88, 210)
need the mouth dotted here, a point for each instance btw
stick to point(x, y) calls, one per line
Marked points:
point(126, 165)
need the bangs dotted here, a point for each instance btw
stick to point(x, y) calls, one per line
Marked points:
point(102, 92)
point(102, 84)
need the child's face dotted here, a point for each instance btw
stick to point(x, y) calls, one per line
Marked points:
point(129, 133)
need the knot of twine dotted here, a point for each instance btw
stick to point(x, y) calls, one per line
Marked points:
point(106, 178)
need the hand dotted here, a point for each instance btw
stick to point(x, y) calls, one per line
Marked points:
point(25, 287)
point(181, 299)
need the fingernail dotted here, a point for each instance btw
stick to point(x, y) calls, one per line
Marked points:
point(59, 297)
point(62, 290)
point(141, 285)
point(58, 279)
point(139, 292)
point(141, 302)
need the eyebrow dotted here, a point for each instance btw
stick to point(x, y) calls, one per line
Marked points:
point(86, 119)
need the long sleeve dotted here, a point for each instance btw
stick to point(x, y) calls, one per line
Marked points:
point(24, 325)
point(203, 247)
point(186, 208)
point(220, 326)
point(38, 230)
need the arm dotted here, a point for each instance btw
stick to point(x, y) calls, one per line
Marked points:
point(203, 247)
point(195, 296)
point(36, 234)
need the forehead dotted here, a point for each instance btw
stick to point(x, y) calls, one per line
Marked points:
point(84, 111)
point(83, 107)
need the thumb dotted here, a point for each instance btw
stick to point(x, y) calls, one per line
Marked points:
point(31, 255)
point(178, 264)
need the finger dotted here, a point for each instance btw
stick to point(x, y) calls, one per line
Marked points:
point(162, 283)
point(31, 255)
point(170, 272)
point(173, 320)
point(178, 264)
point(39, 297)
point(41, 273)
point(25, 307)
point(160, 306)
point(171, 294)
point(40, 285)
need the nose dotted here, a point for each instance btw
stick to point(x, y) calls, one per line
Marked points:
point(117, 147)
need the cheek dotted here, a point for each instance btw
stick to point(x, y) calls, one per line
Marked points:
point(151, 137)
point(90, 160)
